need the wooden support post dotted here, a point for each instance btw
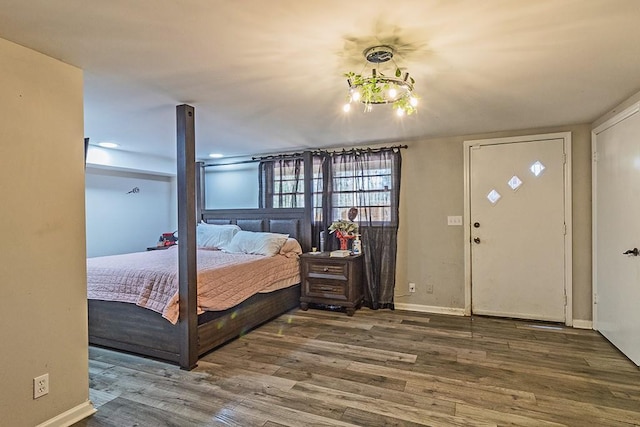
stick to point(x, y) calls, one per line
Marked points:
point(187, 255)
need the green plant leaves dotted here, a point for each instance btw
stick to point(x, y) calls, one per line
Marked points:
point(373, 90)
point(405, 104)
point(344, 226)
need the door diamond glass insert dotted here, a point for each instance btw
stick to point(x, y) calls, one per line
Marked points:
point(514, 183)
point(493, 196)
point(537, 168)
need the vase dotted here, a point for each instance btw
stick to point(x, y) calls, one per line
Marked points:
point(343, 238)
point(343, 243)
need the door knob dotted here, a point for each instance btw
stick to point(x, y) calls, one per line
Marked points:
point(476, 239)
point(633, 252)
point(476, 224)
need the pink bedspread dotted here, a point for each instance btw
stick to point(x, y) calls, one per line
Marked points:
point(150, 279)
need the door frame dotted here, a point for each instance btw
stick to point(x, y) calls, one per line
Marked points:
point(617, 118)
point(568, 237)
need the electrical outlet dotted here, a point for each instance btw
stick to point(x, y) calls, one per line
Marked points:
point(40, 386)
point(429, 288)
point(412, 287)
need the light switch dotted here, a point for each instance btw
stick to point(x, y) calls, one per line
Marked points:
point(454, 220)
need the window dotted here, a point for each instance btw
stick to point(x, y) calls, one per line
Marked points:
point(340, 181)
point(494, 196)
point(282, 183)
point(365, 179)
point(288, 188)
point(365, 185)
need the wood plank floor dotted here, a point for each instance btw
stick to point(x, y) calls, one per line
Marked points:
point(378, 368)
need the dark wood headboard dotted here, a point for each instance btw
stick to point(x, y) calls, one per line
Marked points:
point(286, 221)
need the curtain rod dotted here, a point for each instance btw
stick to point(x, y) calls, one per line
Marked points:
point(240, 162)
point(331, 152)
point(278, 157)
point(362, 150)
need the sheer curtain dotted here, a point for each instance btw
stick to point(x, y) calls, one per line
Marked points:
point(281, 183)
point(370, 181)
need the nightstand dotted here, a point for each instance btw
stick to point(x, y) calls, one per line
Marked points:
point(331, 281)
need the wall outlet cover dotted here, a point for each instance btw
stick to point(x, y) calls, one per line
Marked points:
point(454, 220)
point(40, 386)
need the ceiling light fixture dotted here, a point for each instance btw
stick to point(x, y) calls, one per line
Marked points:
point(380, 88)
point(216, 155)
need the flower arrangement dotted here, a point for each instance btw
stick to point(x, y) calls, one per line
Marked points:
point(344, 226)
point(344, 230)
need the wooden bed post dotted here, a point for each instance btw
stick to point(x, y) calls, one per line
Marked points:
point(187, 255)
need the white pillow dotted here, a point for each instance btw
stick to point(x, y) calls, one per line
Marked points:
point(213, 236)
point(291, 248)
point(259, 243)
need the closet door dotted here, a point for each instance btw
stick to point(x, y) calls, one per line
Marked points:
point(616, 216)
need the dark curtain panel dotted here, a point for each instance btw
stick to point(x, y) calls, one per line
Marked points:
point(281, 183)
point(319, 225)
point(265, 184)
point(370, 181)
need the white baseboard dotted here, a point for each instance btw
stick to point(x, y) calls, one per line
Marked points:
point(429, 309)
point(582, 324)
point(71, 416)
point(577, 323)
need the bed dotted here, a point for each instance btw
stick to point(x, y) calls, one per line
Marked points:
point(126, 326)
point(150, 325)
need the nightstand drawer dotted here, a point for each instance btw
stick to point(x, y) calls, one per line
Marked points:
point(326, 289)
point(325, 268)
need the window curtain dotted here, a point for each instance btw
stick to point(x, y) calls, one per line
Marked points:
point(320, 199)
point(281, 183)
point(370, 181)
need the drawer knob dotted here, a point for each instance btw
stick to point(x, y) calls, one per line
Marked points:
point(325, 269)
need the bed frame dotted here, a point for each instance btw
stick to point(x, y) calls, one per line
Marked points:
point(127, 327)
point(139, 330)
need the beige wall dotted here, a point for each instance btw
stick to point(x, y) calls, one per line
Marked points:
point(430, 251)
point(42, 267)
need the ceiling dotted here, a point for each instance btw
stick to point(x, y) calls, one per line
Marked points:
point(267, 76)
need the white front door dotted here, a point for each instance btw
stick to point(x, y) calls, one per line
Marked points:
point(616, 216)
point(517, 228)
